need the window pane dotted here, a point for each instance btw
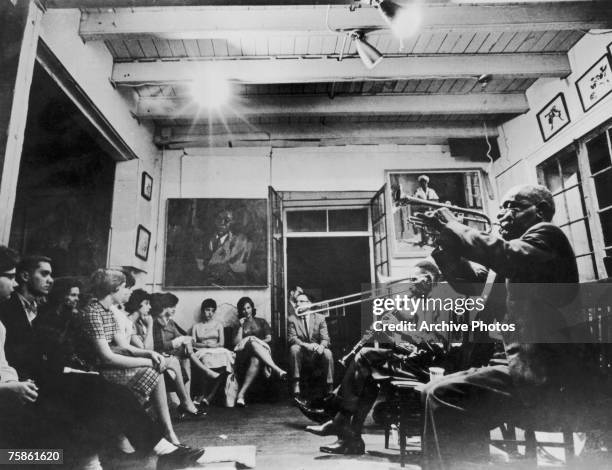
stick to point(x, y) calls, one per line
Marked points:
point(352, 220)
point(569, 168)
point(606, 226)
point(586, 269)
point(579, 239)
point(573, 199)
point(599, 153)
point(306, 221)
point(560, 216)
point(549, 174)
point(603, 188)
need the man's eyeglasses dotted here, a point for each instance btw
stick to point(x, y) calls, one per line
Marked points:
point(514, 206)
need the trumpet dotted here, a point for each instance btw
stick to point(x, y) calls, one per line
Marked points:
point(467, 215)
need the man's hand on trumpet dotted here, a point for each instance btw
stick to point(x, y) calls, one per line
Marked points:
point(435, 220)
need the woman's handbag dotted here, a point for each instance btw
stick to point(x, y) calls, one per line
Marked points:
point(231, 390)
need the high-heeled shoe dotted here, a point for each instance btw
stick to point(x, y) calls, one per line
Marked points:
point(240, 402)
point(184, 413)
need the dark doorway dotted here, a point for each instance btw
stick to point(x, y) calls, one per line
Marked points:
point(330, 267)
point(65, 184)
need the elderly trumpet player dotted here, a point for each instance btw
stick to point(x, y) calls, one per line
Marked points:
point(371, 366)
point(309, 341)
point(542, 372)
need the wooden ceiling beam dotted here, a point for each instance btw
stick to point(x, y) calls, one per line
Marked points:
point(231, 22)
point(376, 105)
point(345, 132)
point(329, 70)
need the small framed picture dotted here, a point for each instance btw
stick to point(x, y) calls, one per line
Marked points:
point(553, 117)
point(595, 84)
point(146, 186)
point(143, 239)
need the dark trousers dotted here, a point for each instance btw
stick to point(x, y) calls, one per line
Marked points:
point(94, 411)
point(461, 409)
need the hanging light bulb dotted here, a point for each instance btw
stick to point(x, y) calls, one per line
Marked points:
point(404, 20)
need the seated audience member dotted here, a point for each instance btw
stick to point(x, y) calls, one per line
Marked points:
point(169, 338)
point(137, 369)
point(542, 372)
point(309, 341)
point(18, 313)
point(209, 338)
point(252, 347)
point(54, 411)
point(373, 367)
point(137, 308)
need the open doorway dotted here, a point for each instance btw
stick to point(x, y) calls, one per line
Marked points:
point(65, 184)
point(330, 267)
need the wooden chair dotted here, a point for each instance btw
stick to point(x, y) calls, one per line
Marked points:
point(409, 410)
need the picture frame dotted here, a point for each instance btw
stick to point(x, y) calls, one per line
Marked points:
point(553, 117)
point(216, 243)
point(143, 241)
point(460, 187)
point(596, 83)
point(146, 186)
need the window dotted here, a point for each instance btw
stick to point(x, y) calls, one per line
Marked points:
point(599, 153)
point(560, 174)
point(328, 220)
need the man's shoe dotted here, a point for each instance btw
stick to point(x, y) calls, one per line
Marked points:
point(326, 429)
point(182, 457)
point(318, 415)
point(354, 446)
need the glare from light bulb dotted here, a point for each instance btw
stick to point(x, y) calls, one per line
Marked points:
point(407, 21)
point(210, 90)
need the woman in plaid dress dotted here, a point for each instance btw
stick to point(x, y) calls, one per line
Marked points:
point(124, 364)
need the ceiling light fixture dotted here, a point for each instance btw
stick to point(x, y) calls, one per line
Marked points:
point(404, 20)
point(210, 90)
point(370, 56)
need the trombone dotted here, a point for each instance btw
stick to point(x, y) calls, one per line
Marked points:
point(362, 297)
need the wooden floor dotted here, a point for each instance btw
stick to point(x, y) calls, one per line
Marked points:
point(277, 430)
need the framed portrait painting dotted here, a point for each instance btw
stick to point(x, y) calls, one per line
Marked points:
point(595, 84)
point(553, 117)
point(216, 243)
point(143, 240)
point(146, 186)
point(457, 188)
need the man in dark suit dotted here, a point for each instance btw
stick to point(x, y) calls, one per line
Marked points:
point(20, 311)
point(309, 341)
point(461, 408)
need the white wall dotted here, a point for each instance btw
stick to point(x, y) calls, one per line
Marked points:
point(520, 140)
point(522, 147)
point(247, 173)
point(90, 64)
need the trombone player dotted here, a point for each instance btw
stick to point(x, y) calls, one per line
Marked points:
point(360, 385)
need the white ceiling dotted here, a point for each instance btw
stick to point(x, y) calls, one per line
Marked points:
point(296, 75)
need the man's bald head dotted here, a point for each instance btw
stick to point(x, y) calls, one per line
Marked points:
point(523, 207)
point(539, 196)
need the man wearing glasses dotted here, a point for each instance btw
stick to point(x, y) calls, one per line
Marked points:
point(535, 275)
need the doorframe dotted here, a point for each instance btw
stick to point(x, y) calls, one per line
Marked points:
point(287, 235)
